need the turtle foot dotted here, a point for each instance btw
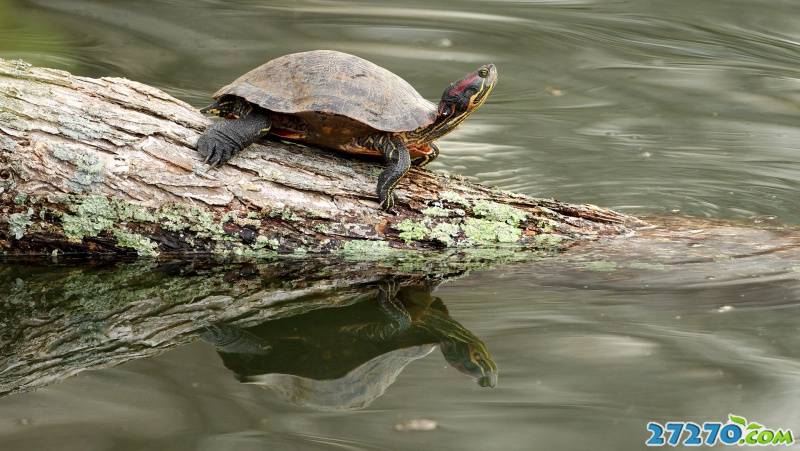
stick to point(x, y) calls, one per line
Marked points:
point(387, 202)
point(223, 139)
point(215, 147)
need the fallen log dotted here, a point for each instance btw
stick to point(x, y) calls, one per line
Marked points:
point(108, 166)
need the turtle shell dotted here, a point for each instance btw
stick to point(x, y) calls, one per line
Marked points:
point(332, 82)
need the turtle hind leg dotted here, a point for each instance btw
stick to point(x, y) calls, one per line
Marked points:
point(398, 162)
point(223, 139)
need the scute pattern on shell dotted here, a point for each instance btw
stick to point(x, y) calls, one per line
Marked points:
point(336, 83)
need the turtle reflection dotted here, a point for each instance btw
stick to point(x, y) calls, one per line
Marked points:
point(344, 358)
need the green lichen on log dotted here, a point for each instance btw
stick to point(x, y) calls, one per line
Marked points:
point(194, 219)
point(548, 240)
point(20, 198)
point(144, 246)
point(173, 218)
point(453, 197)
point(494, 211)
point(445, 233)
point(485, 232)
point(411, 230)
point(494, 224)
point(91, 216)
point(367, 249)
point(88, 167)
point(146, 229)
point(436, 212)
point(130, 212)
point(265, 242)
point(18, 223)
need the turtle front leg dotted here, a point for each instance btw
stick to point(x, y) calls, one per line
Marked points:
point(222, 140)
point(430, 152)
point(398, 161)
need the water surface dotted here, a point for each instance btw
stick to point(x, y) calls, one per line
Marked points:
point(677, 108)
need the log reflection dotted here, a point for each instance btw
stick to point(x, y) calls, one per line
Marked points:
point(57, 321)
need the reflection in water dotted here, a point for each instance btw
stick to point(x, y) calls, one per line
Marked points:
point(343, 358)
point(693, 323)
point(327, 320)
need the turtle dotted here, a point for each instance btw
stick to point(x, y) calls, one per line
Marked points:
point(344, 103)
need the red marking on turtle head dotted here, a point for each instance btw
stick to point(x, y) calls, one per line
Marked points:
point(458, 87)
point(468, 93)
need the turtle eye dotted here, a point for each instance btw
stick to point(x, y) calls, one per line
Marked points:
point(484, 72)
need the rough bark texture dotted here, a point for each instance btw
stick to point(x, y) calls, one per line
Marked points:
point(107, 165)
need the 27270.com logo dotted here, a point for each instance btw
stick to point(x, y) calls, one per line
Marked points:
point(737, 431)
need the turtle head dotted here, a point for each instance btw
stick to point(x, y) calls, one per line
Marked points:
point(459, 100)
point(472, 359)
point(464, 96)
point(230, 107)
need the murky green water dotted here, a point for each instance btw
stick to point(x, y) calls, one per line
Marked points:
point(678, 107)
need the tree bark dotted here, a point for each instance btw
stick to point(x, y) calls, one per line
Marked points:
point(108, 166)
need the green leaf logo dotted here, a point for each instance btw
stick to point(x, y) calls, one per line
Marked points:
point(737, 419)
point(754, 426)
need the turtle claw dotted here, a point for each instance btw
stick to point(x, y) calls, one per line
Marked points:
point(387, 205)
point(388, 209)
